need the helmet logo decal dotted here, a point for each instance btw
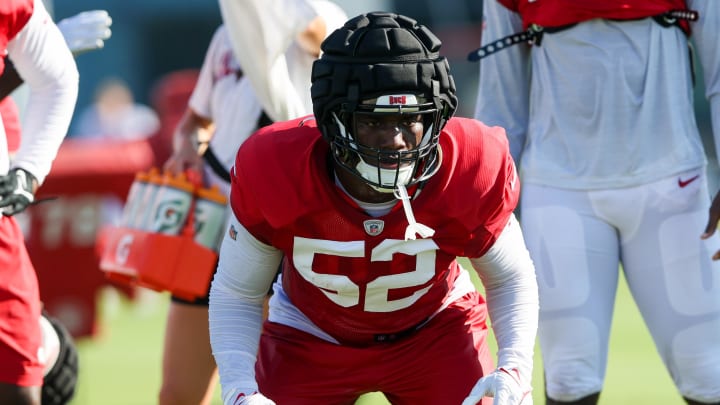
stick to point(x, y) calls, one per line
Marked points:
point(393, 100)
point(374, 227)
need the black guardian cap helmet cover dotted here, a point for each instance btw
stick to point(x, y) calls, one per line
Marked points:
point(371, 58)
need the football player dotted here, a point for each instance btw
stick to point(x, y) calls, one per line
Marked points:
point(82, 32)
point(39, 53)
point(368, 205)
point(600, 118)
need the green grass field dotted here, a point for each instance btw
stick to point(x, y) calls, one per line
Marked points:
point(122, 365)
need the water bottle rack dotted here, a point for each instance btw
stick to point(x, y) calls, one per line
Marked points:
point(160, 262)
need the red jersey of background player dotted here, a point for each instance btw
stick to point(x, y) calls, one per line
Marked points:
point(14, 14)
point(331, 245)
point(559, 13)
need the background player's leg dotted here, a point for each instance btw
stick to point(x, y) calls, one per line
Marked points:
point(189, 370)
point(676, 285)
point(21, 369)
point(576, 260)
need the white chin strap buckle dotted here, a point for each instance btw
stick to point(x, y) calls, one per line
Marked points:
point(414, 228)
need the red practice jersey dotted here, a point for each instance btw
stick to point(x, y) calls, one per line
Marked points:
point(558, 13)
point(354, 275)
point(14, 14)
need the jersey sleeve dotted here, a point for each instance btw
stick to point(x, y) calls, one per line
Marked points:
point(243, 202)
point(254, 179)
point(485, 182)
point(502, 200)
point(278, 176)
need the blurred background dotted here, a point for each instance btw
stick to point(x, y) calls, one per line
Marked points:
point(146, 72)
point(153, 38)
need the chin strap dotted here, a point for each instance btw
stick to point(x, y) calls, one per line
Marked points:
point(414, 227)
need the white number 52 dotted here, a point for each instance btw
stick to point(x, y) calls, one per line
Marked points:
point(344, 292)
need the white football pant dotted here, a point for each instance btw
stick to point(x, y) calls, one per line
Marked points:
point(577, 239)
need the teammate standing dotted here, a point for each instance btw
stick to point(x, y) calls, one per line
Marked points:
point(231, 102)
point(599, 113)
point(368, 206)
point(39, 53)
point(83, 32)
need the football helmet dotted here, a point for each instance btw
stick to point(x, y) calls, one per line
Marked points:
point(382, 63)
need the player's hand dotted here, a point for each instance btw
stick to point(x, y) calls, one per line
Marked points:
point(185, 156)
point(255, 398)
point(17, 191)
point(504, 385)
point(712, 223)
point(86, 31)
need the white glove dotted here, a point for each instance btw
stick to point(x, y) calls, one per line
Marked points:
point(255, 398)
point(86, 31)
point(503, 385)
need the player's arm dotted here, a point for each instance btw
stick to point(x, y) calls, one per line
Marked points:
point(187, 140)
point(504, 79)
point(329, 17)
point(196, 126)
point(260, 32)
point(83, 32)
point(246, 269)
point(43, 59)
point(508, 275)
point(312, 36)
